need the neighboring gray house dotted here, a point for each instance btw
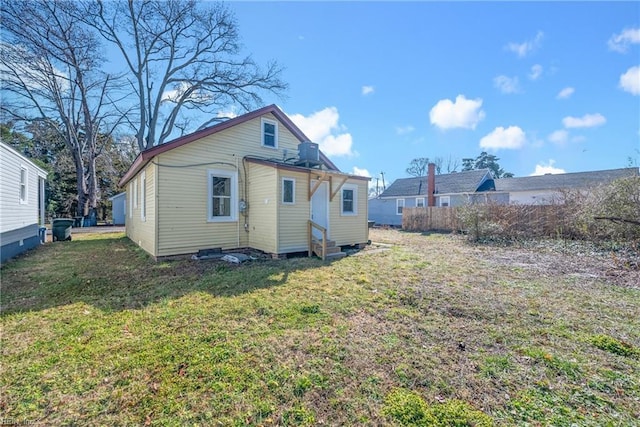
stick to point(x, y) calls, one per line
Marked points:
point(452, 189)
point(21, 203)
point(118, 208)
point(545, 189)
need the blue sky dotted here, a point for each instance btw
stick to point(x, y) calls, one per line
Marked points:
point(545, 86)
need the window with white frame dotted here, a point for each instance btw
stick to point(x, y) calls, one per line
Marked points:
point(135, 193)
point(445, 201)
point(288, 191)
point(399, 206)
point(419, 202)
point(223, 195)
point(143, 196)
point(349, 200)
point(24, 182)
point(269, 133)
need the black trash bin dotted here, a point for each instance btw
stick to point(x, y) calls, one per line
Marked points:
point(61, 229)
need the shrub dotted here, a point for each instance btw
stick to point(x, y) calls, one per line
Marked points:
point(615, 346)
point(409, 409)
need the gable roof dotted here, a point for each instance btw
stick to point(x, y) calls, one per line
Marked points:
point(145, 157)
point(564, 180)
point(458, 182)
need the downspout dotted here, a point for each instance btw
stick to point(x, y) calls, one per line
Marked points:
point(238, 206)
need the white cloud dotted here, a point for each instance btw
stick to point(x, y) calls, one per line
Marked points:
point(507, 84)
point(586, 121)
point(403, 130)
point(524, 48)
point(565, 93)
point(621, 42)
point(542, 169)
point(510, 138)
point(463, 113)
point(536, 72)
point(323, 127)
point(559, 137)
point(360, 172)
point(630, 81)
point(366, 90)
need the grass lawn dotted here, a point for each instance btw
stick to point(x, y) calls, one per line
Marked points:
point(430, 331)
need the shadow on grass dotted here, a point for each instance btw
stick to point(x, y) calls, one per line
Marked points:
point(112, 273)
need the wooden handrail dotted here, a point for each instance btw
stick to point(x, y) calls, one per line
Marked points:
point(323, 230)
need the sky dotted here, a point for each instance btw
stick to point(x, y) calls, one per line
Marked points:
point(547, 87)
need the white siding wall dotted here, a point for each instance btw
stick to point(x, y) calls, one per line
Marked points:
point(14, 214)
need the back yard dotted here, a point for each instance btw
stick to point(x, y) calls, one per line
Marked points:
point(429, 330)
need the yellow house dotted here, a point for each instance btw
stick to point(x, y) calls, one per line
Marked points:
point(254, 181)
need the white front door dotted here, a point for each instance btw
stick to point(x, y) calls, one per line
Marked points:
point(320, 208)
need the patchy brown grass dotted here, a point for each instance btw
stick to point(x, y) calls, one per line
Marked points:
point(96, 333)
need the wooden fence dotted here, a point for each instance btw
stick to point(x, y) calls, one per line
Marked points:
point(505, 220)
point(431, 218)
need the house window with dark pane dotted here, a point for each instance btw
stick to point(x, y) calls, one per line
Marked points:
point(269, 133)
point(349, 193)
point(288, 191)
point(221, 192)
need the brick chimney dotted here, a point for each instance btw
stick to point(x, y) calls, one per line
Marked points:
point(431, 184)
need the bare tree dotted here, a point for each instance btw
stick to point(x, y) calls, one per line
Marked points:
point(49, 67)
point(183, 56)
point(418, 166)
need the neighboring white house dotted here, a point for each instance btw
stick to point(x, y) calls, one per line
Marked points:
point(548, 189)
point(21, 203)
point(119, 208)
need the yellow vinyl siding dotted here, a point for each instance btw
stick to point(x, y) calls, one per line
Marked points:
point(263, 205)
point(183, 191)
point(139, 231)
point(293, 219)
point(350, 229)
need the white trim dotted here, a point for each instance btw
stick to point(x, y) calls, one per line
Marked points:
point(399, 205)
point(130, 202)
point(135, 193)
point(233, 197)
point(23, 184)
point(293, 191)
point(264, 121)
point(353, 188)
point(420, 198)
point(143, 196)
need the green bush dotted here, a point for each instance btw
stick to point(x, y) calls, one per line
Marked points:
point(409, 409)
point(613, 345)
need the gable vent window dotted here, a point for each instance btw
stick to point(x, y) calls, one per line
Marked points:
point(269, 133)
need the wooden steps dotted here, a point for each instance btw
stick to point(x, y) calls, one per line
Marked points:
point(332, 251)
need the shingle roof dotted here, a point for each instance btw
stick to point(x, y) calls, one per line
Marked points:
point(564, 181)
point(459, 182)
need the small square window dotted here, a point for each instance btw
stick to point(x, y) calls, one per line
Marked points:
point(288, 191)
point(445, 201)
point(420, 202)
